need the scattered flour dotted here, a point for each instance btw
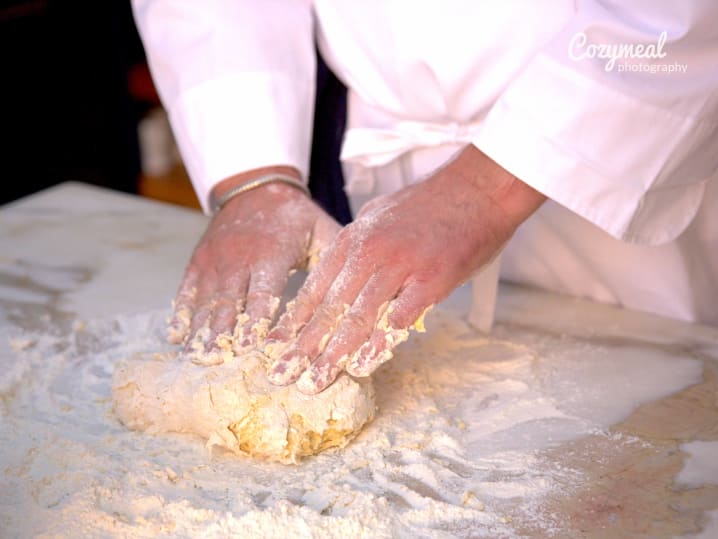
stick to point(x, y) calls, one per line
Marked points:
point(454, 450)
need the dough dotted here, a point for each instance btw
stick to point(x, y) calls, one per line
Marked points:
point(233, 405)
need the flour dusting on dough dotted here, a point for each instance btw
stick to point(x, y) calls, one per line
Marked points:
point(233, 405)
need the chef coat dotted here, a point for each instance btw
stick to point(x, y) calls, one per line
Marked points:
point(625, 149)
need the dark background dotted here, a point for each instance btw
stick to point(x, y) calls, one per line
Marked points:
point(68, 111)
point(75, 87)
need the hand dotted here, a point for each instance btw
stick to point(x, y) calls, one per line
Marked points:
point(404, 253)
point(237, 274)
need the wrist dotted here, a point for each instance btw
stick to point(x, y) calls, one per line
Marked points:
point(279, 179)
point(515, 199)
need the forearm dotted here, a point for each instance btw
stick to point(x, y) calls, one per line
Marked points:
point(513, 200)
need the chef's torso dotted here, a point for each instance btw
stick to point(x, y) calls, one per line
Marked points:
point(422, 76)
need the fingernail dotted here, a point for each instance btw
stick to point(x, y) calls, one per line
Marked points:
point(367, 359)
point(307, 383)
point(252, 335)
point(317, 378)
point(288, 368)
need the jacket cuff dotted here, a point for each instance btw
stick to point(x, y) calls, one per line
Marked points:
point(604, 155)
point(240, 122)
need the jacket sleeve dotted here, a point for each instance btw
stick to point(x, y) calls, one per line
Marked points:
point(627, 144)
point(237, 79)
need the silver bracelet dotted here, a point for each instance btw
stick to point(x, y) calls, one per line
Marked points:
point(217, 204)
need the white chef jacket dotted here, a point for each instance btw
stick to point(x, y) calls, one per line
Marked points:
point(627, 157)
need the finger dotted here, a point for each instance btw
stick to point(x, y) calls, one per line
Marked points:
point(323, 235)
point(228, 303)
point(410, 307)
point(403, 313)
point(319, 330)
point(199, 327)
point(266, 287)
point(354, 330)
point(178, 328)
point(310, 295)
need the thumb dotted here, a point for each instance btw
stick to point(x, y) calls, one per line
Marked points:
point(323, 234)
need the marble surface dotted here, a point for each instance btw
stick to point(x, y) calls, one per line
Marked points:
point(628, 446)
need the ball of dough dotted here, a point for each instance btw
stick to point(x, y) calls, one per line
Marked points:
point(233, 405)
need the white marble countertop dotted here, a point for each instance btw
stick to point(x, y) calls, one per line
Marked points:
point(619, 436)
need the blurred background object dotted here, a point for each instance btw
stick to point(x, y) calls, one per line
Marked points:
point(68, 112)
point(80, 105)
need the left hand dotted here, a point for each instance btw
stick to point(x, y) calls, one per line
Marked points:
point(404, 252)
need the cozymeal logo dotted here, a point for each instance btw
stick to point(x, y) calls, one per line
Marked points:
point(623, 56)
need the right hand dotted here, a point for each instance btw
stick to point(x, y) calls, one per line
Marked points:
point(237, 274)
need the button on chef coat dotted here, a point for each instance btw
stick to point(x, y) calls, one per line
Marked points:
point(627, 157)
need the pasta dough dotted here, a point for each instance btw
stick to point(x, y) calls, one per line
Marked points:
point(233, 405)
